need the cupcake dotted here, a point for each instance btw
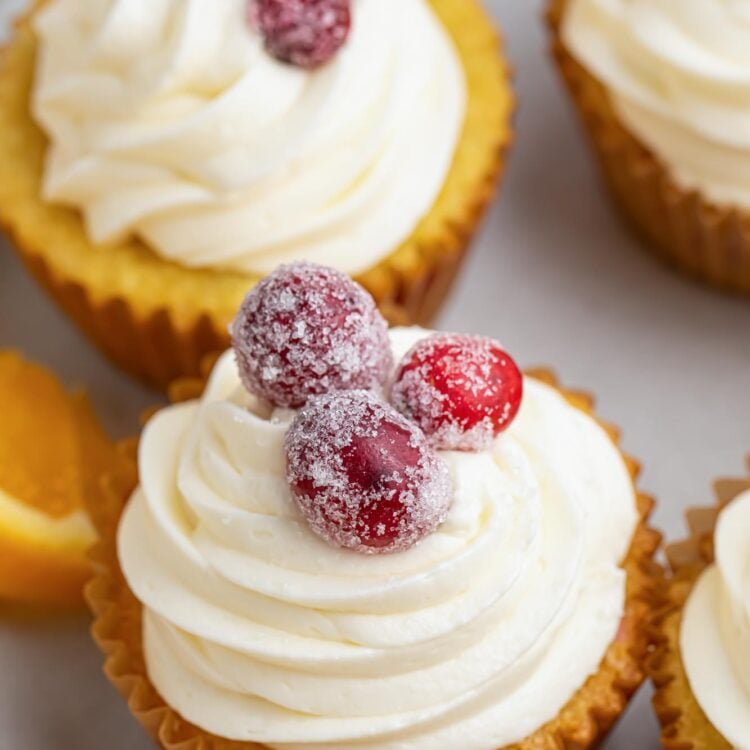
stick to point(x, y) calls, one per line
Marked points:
point(662, 90)
point(52, 452)
point(156, 162)
point(361, 538)
point(701, 668)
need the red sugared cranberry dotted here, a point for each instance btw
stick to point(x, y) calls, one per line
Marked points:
point(363, 476)
point(462, 391)
point(305, 33)
point(307, 330)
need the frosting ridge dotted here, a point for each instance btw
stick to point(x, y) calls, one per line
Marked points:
point(715, 631)
point(168, 121)
point(679, 77)
point(255, 629)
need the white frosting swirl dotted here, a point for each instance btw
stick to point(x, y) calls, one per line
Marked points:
point(715, 631)
point(169, 121)
point(255, 629)
point(679, 77)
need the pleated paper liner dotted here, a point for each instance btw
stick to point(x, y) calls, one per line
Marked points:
point(582, 723)
point(156, 319)
point(705, 241)
point(684, 724)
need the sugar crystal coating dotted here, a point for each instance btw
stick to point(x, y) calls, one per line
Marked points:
point(307, 330)
point(363, 476)
point(461, 390)
point(305, 33)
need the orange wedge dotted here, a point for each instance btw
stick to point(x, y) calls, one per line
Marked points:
point(52, 452)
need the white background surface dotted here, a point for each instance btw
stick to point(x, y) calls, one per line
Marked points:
point(553, 276)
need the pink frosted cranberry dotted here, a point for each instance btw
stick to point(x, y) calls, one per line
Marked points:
point(461, 390)
point(305, 33)
point(307, 330)
point(363, 476)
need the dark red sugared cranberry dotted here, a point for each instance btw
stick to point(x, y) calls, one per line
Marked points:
point(307, 330)
point(363, 476)
point(462, 391)
point(305, 33)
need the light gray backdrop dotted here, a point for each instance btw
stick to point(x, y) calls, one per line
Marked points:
point(553, 276)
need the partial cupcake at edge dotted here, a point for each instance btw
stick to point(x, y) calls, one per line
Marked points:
point(355, 537)
point(701, 667)
point(663, 90)
point(157, 159)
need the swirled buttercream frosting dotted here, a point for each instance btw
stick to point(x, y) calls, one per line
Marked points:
point(715, 631)
point(169, 121)
point(257, 630)
point(679, 77)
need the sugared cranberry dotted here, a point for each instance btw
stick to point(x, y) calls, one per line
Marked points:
point(363, 476)
point(306, 33)
point(307, 330)
point(462, 391)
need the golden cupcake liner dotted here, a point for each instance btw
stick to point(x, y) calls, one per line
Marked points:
point(156, 319)
point(684, 724)
point(581, 724)
point(707, 242)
